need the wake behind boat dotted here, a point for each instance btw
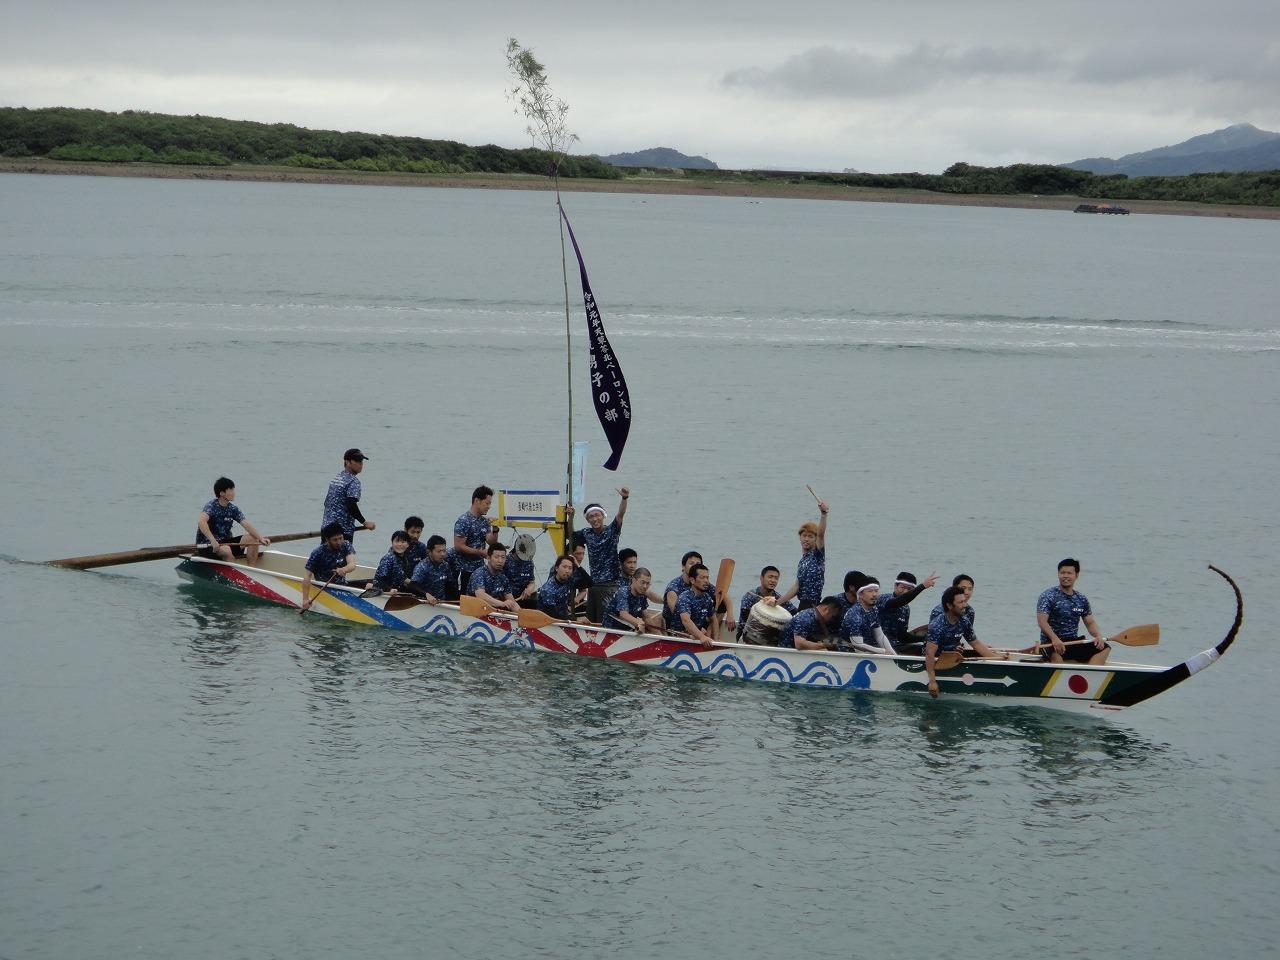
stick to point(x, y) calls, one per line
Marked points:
point(278, 579)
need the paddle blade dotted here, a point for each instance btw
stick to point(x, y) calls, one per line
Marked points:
point(1144, 635)
point(401, 601)
point(473, 607)
point(534, 619)
point(723, 578)
point(948, 659)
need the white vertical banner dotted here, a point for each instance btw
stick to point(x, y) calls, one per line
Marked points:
point(578, 473)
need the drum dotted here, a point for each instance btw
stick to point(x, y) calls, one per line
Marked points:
point(764, 624)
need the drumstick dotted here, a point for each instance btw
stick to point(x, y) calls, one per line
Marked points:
point(815, 496)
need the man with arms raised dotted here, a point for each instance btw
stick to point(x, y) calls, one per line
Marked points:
point(213, 527)
point(471, 533)
point(489, 583)
point(948, 630)
point(342, 502)
point(1059, 612)
point(334, 558)
point(602, 553)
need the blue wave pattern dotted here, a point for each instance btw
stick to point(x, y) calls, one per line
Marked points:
point(818, 673)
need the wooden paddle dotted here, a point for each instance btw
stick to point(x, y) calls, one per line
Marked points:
point(333, 576)
point(534, 619)
point(724, 577)
point(1143, 635)
point(475, 607)
point(144, 554)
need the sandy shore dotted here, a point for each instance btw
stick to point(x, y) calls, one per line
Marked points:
point(636, 185)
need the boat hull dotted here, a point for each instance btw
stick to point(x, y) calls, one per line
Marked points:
point(1074, 687)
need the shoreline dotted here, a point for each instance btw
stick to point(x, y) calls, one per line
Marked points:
point(651, 185)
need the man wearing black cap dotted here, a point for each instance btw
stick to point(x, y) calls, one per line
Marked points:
point(342, 502)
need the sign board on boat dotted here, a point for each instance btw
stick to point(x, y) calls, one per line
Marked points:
point(535, 506)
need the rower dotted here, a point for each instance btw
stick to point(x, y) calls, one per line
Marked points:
point(860, 626)
point(432, 576)
point(342, 502)
point(628, 564)
point(521, 576)
point(696, 606)
point(581, 579)
point(965, 583)
point(471, 533)
point(1059, 612)
point(213, 526)
point(489, 583)
point(334, 558)
point(602, 553)
point(895, 609)
point(811, 571)
point(391, 573)
point(414, 526)
point(629, 607)
point(556, 596)
point(676, 587)
point(813, 627)
point(948, 630)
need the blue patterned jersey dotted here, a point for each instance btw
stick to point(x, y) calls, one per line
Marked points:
point(623, 600)
point(416, 553)
point(344, 485)
point(433, 577)
point(807, 624)
point(474, 532)
point(698, 606)
point(894, 621)
point(948, 635)
point(602, 552)
point(555, 597)
point(220, 520)
point(811, 574)
point(519, 573)
point(390, 574)
point(323, 561)
point(676, 586)
point(859, 624)
point(495, 585)
point(1065, 612)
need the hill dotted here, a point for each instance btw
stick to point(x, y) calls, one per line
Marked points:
point(663, 158)
point(1235, 149)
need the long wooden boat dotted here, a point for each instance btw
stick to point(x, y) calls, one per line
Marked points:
point(1077, 687)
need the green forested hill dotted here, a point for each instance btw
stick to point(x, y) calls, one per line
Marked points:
point(64, 133)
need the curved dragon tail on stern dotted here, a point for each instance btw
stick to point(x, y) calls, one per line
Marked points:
point(1160, 682)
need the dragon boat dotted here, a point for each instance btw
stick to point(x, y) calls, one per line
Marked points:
point(277, 578)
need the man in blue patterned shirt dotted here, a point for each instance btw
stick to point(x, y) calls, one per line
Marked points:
point(965, 583)
point(696, 606)
point(329, 563)
point(342, 501)
point(768, 587)
point(895, 610)
point(472, 533)
point(392, 569)
point(489, 583)
point(1059, 612)
point(813, 628)
point(414, 526)
point(556, 596)
point(602, 553)
point(948, 631)
point(213, 527)
point(628, 608)
point(811, 571)
point(520, 575)
point(676, 587)
point(432, 577)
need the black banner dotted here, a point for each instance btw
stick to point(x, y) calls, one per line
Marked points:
point(608, 385)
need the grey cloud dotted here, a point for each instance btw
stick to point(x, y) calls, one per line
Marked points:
point(855, 74)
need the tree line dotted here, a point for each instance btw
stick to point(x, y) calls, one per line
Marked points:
point(64, 133)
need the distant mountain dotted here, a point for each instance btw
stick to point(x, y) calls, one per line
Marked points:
point(660, 157)
point(1232, 149)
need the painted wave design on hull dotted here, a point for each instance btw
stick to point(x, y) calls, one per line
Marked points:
point(818, 673)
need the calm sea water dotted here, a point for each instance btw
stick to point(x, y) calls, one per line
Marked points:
point(185, 774)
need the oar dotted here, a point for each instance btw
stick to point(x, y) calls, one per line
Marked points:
point(333, 576)
point(724, 577)
point(1143, 635)
point(403, 601)
point(475, 607)
point(162, 553)
point(534, 619)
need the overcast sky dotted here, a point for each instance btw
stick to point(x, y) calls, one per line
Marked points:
point(824, 84)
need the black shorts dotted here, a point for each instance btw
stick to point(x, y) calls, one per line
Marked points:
point(1079, 652)
point(207, 551)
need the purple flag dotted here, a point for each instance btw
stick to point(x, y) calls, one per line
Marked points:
point(608, 385)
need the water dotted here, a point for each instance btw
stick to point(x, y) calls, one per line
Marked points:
point(979, 390)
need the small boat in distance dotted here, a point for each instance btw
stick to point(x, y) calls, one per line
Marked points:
point(1100, 208)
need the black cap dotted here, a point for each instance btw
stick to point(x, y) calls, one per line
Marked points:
point(354, 454)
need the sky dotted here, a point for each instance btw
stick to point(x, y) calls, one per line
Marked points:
point(874, 85)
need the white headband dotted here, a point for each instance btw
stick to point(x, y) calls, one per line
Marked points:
point(599, 510)
point(905, 583)
point(867, 586)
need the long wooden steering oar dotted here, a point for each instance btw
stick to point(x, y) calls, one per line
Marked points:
point(144, 554)
point(724, 577)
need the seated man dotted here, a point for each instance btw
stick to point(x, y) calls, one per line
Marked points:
point(417, 552)
point(432, 577)
point(581, 579)
point(329, 563)
point(862, 620)
point(696, 606)
point(391, 574)
point(948, 630)
point(213, 527)
point(556, 596)
point(812, 628)
point(629, 607)
point(489, 583)
point(768, 588)
point(1059, 612)
point(895, 610)
point(520, 575)
point(676, 587)
point(965, 583)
